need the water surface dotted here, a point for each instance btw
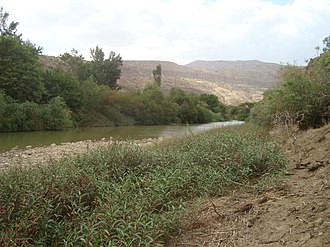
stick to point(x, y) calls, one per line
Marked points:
point(45, 138)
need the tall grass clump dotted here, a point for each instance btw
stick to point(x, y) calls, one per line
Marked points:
point(127, 195)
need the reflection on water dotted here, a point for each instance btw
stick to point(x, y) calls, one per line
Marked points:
point(44, 138)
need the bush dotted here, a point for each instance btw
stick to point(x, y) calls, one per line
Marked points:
point(56, 115)
point(29, 116)
point(302, 99)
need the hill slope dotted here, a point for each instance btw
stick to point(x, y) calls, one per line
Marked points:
point(249, 73)
point(233, 82)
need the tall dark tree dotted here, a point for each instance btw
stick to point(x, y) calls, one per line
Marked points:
point(20, 70)
point(157, 73)
point(106, 71)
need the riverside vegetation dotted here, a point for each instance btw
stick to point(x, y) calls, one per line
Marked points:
point(77, 93)
point(302, 99)
point(128, 195)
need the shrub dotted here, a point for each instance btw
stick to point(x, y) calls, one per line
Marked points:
point(303, 98)
point(56, 115)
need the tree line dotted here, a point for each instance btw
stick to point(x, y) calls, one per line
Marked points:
point(84, 93)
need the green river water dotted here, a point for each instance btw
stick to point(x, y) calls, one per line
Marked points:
point(45, 138)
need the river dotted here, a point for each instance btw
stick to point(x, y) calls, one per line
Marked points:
point(45, 138)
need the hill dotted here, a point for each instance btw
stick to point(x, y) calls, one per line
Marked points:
point(233, 82)
point(248, 73)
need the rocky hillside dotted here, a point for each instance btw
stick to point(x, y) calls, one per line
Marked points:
point(247, 73)
point(233, 82)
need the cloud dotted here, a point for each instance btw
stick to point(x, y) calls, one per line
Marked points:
point(177, 30)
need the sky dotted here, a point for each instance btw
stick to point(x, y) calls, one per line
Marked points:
point(181, 31)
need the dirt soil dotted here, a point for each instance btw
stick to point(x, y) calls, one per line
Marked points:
point(294, 213)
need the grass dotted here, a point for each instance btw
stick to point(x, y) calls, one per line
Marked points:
point(128, 195)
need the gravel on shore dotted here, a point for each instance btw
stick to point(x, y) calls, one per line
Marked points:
point(48, 154)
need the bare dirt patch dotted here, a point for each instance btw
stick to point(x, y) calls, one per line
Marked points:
point(295, 213)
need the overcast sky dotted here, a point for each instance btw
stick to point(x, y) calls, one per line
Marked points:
point(180, 31)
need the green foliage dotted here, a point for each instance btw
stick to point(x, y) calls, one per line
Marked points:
point(75, 63)
point(106, 71)
point(157, 73)
point(5, 29)
point(104, 107)
point(34, 99)
point(153, 107)
point(29, 116)
point(58, 83)
point(186, 104)
point(192, 108)
point(303, 98)
point(100, 70)
point(126, 195)
point(213, 103)
point(326, 43)
point(147, 107)
point(242, 112)
point(19, 117)
point(20, 73)
point(56, 115)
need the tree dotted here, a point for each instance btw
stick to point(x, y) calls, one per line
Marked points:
point(6, 29)
point(97, 55)
point(317, 48)
point(157, 73)
point(326, 43)
point(20, 70)
point(74, 62)
point(106, 71)
point(59, 83)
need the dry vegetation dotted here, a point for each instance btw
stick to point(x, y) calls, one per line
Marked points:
point(292, 213)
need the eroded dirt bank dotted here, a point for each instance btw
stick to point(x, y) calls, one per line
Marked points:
point(295, 213)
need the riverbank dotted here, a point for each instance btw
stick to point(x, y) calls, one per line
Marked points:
point(47, 155)
point(127, 195)
point(295, 212)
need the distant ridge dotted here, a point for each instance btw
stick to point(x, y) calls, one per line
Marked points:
point(233, 82)
point(243, 72)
